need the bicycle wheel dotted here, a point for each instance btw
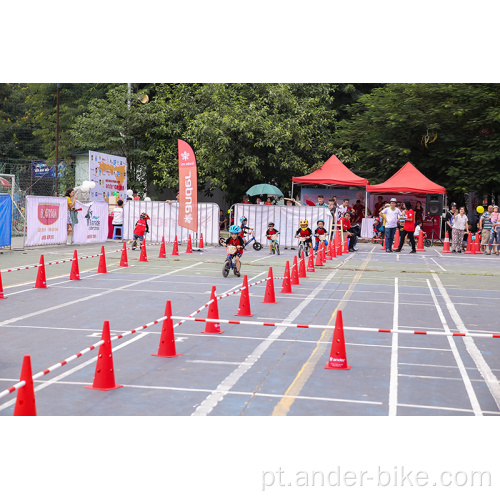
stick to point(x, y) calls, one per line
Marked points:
point(428, 243)
point(257, 246)
point(221, 240)
point(277, 245)
point(226, 268)
point(300, 249)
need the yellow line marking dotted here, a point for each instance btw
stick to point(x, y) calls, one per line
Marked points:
point(283, 407)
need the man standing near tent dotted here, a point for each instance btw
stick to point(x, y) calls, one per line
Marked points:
point(408, 229)
point(321, 201)
point(392, 215)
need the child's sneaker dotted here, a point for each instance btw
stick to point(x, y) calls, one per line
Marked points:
point(134, 245)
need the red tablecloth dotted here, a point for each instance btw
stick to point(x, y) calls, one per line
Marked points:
point(110, 227)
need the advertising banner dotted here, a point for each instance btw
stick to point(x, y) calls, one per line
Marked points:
point(163, 221)
point(46, 219)
point(92, 224)
point(41, 169)
point(5, 220)
point(188, 187)
point(109, 173)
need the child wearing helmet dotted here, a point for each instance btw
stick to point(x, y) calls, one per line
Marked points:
point(236, 240)
point(304, 231)
point(320, 230)
point(269, 233)
point(244, 228)
point(141, 227)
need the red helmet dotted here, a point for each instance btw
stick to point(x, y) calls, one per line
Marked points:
point(144, 215)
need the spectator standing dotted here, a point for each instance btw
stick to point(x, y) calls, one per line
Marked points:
point(342, 209)
point(460, 226)
point(408, 228)
point(222, 221)
point(449, 217)
point(485, 226)
point(246, 200)
point(321, 201)
point(135, 196)
point(419, 213)
point(345, 224)
point(259, 201)
point(118, 217)
point(72, 215)
point(379, 205)
point(268, 202)
point(392, 215)
point(495, 231)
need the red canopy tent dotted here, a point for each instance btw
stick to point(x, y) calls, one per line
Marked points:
point(407, 180)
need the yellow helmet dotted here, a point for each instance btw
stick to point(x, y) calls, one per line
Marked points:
point(304, 223)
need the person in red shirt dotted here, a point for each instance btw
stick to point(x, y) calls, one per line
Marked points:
point(320, 230)
point(236, 240)
point(345, 224)
point(408, 229)
point(269, 233)
point(141, 227)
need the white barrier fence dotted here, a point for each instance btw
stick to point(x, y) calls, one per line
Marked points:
point(286, 220)
point(163, 221)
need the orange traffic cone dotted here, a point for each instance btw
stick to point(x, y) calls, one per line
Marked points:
point(189, 248)
point(328, 254)
point(102, 262)
point(124, 259)
point(25, 401)
point(41, 282)
point(166, 348)
point(384, 248)
point(302, 266)
point(162, 254)
point(310, 263)
point(478, 244)
point(420, 244)
point(339, 246)
point(201, 241)
point(75, 271)
point(104, 377)
point(397, 240)
point(295, 272)
point(269, 297)
point(2, 296)
point(144, 256)
point(338, 358)
point(287, 286)
point(213, 313)
point(244, 307)
point(446, 244)
point(319, 260)
point(323, 252)
point(333, 246)
point(175, 249)
point(346, 246)
point(469, 244)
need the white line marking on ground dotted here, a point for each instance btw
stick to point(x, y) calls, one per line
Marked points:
point(262, 258)
point(438, 264)
point(475, 353)
point(436, 408)
point(476, 407)
point(393, 384)
point(207, 361)
point(435, 377)
point(228, 383)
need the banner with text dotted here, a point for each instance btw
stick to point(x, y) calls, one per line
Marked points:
point(188, 187)
point(46, 219)
point(92, 224)
point(109, 174)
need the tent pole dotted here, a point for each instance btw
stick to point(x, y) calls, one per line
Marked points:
point(292, 192)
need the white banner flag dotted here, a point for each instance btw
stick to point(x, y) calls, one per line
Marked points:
point(46, 218)
point(92, 224)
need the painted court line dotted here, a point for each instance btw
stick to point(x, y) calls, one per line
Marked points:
point(228, 383)
point(393, 381)
point(439, 265)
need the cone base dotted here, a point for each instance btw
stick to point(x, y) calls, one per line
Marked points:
point(165, 356)
point(445, 251)
point(420, 250)
point(103, 389)
point(2, 297)
point(281, 291)
point(41, 286)
point(328, 367)
point(262, 302)
point(245, 315)
point(213, 333)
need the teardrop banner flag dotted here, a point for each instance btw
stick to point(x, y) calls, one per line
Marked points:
point(188, 187)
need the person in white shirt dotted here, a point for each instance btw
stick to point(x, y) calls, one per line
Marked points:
point(118, 216)
point(342, 210)
point(392, 215)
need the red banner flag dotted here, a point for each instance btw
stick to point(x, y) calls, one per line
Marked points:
point(188, 187)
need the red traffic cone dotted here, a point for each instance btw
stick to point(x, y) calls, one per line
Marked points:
point(339, 247)
point(328, 254)
point(333, 246)
point(446, 243)
point(469, 244)
point(163, 254)
point(346, 246)
point(244, 307)
point(384, 248)
point(75, 271)
point(213, 313)
point(319, 260)
point(104, 377)
point(478, 244)
point(269, 297)
point(287, 286)
point(310, 263)
point(189, 248)
point(41, 282)
point(25, 402)
point(323, 252)
point(124, 258)
point(166, 348)
point(102, 262)
point(201, 241)
point(397, 240)
point(295, 272)
point(338, 358)
point(302, 266)
point(175, 249)
point(420, 244)
point(144, 256)
point(2, 296)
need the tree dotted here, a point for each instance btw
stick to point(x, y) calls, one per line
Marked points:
point(450, 132)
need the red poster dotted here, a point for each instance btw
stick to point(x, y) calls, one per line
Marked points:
point(188, 187)
point(48, 213)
